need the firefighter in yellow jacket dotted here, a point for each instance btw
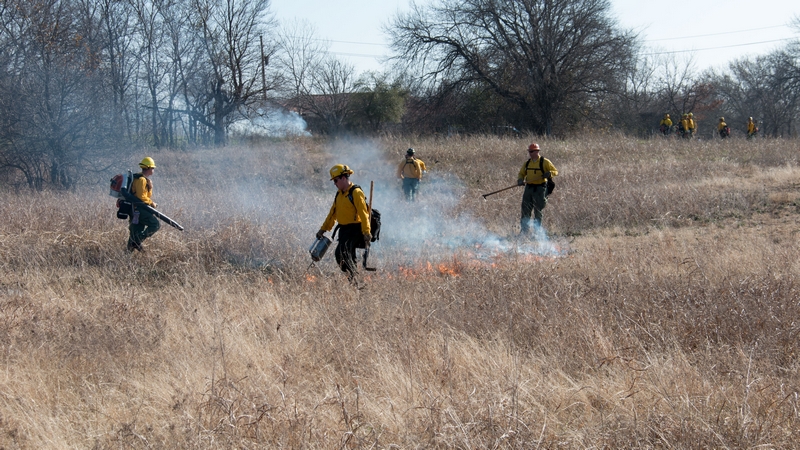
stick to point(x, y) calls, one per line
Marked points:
point(350, 211)
point(143, 224)
point(534, 175)
point(752, 129)
point(665, 126)
point(411, 171)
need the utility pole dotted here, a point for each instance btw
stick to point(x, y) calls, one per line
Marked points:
point(264, 62)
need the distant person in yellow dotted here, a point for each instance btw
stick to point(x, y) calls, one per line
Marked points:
point(143, 223)
point(350, 211)
point(665, 126)
point(752, 129)
point(411, 171)
point(683, 126)
point(723, 129)
point(534, 175)
point(692, 126)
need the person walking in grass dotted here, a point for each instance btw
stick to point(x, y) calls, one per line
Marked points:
point(752, 129)
point(350, 211)
point(665, 126)
point(723, 129)
point(691, 125)
point(143, 223)
point(411, 171)
point(534, 175)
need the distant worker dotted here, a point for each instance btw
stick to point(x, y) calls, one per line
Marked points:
point(143, 223)
point(534, 175)
point(723, 129)
point(411, 171)
point(692, 125)
point(350, 211)
point(665, 126)
point(683, 125)
point(752, 129)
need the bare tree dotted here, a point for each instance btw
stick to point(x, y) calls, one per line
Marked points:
point(318, 84)
point(230, 31)
point(543, 55)
point(51, 88)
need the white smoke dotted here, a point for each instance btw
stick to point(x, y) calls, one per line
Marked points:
point(271, 122)
point(436, 227)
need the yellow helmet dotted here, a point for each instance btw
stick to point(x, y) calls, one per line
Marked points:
point(340, 169)
point(147, 163)
point(666, 116)
point(691, 115)
point(722, 119)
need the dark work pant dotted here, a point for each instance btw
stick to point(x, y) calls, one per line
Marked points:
point(533, 200)
point(410, 188)
point(147, 226)
point(350, 238)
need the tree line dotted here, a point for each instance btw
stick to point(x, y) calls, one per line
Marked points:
point(80, 79)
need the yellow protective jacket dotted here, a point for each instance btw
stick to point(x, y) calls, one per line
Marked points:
point(142, 188)
point(751, 127)
point(666, 122)
point(411, 168)
point(721, 126)
point(346, 212)
point(531, 174)
point(691, 123)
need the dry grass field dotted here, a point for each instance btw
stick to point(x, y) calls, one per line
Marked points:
point(660, 309)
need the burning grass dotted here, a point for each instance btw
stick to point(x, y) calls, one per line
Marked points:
point(658, 309)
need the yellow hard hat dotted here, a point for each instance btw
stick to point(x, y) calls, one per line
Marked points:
point(722, 119)
point(147, 163)
point(666, 115)
point(340, 169)
point(690, 115)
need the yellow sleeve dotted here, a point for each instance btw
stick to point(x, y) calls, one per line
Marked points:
point(400, 169)
point(422, 165)
point(549, 167)
point(327, 225)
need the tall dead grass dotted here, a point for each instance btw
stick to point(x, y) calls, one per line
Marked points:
point(668, 321)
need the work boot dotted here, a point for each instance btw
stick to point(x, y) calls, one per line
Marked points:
point(134, 246)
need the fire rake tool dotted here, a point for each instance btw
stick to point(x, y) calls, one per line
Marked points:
point(369, 218)
point(499, 190)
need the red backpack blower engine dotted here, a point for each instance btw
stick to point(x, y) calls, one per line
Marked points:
point(120, 189)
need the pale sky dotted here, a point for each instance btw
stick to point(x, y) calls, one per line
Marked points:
point(714, 32)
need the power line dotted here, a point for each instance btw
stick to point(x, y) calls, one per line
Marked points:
point(716, 34)
point(360, 55)
point(716, 48)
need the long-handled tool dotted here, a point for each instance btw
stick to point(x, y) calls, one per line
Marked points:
point(369, 218)
point(134, 200)
point(500, 190)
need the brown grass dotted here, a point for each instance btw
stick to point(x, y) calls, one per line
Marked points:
point(667, 316)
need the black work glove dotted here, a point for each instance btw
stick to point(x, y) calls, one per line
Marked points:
point(367, 238)
point(520, 182)
point(320, 233)
point(546, 175)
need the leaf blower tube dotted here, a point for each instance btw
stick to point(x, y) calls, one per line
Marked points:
point(134, 200)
